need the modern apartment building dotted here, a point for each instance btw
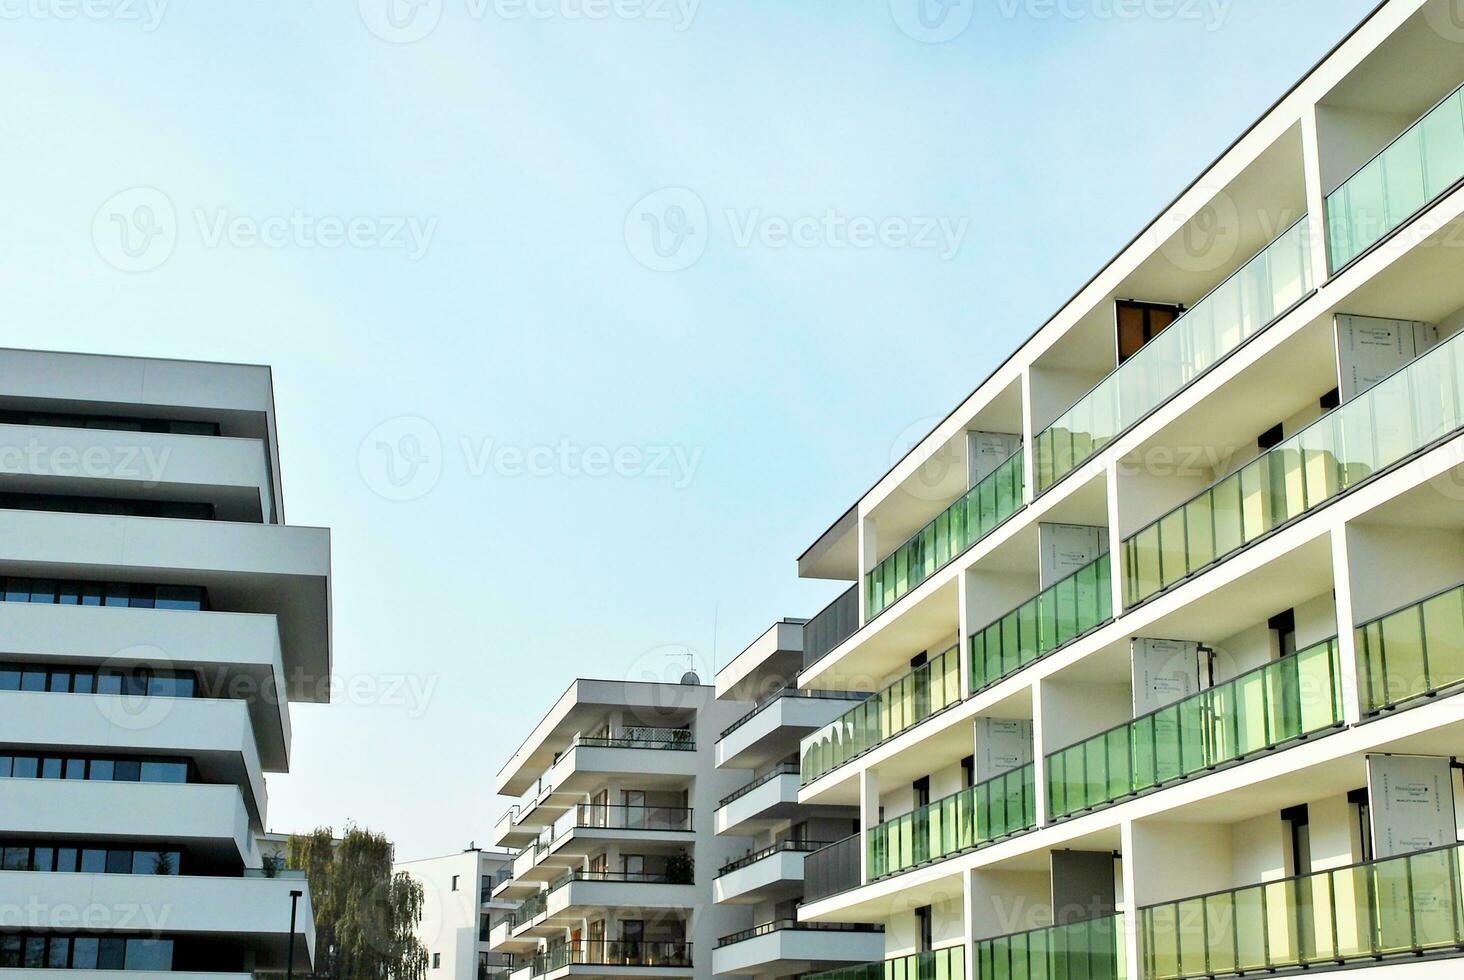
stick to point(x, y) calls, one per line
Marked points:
point(617, 789)
point(767, 877)
point(459, 912)
point(158, 618)
point(1163, 626)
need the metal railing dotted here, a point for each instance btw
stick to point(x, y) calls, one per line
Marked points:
point(613, 952)
point(793, 925)
point(834, 624)
point(781, 769)
point(832, 869)
point(781, 847)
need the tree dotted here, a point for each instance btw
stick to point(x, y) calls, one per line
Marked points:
point(365, 915)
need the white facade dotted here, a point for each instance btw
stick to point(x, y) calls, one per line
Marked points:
point(617, 790)
point(1172, 691)
point(767, 877)
point(459, 912)
point(159, 617)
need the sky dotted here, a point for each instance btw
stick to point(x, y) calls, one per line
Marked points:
point(586, 317)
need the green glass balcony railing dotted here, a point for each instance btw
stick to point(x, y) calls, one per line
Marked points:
point(1412, 171)
point(1413, 652)
point(979, 512)
point(1287, 699)
point(903, 704)
point(940, 964)
point(1091, 950)
point(1268, 285)
point(1053, 618)
point(1404, 906)
point(1415, 407)
point(960, 822)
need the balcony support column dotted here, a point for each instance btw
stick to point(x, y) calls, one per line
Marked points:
point(868, 818)
point(868, 559)
point(1346, 633)
point(1316, 202)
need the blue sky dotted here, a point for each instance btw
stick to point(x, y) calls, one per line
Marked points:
point(587, 316)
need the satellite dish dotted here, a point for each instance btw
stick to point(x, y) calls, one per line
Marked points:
point(690, 678)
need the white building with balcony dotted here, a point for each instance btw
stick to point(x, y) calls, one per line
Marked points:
point(767, 877)
point(1162, 628)
point(617, 791)
point(159, 617)
point(460, 912)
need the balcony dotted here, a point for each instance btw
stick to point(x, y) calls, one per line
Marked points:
point(1410, 173)
point(981, 510)
point(761, 735)
point(963, 821)
point(590, 759)
point(582, 889)
point(910, 700)
point(1403, 907)
point(615, 957)
point(833, 625)
point(786, 947)
point(1092, 950)
point(1259, 293)
point(1286, 700)
point(940, 964)
point(615, 816)
point(1414, 408)
point(1056, 616)
point(1414, 653)
point(768, 798)
point(832, 869)
point(765, 874)
point(249, 912)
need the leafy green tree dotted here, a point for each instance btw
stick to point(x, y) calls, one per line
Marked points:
point(365, 915)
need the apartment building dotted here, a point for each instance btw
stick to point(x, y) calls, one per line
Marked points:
point(768, 876)
point(1163, 626)
point(159, 617)
point(460, 911)
point(617, 788)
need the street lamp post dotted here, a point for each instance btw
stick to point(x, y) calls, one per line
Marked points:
point(295, 895)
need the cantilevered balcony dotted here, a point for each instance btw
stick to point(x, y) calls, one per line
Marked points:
point(965, 820)
point(1413, 409)
point(1413, 653)
point(761, 735)
point(1092, 950)
point(1400, 908)
point(766, 874)
point(916, 696)
point(615, 958)
point(784, 947)
point(1413, 171)
point(1061, 613)
point(1258, 294)
point(1287, 700)
point(976, 514)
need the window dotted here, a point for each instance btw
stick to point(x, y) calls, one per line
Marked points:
point(436, 960)
point(921, 787)
point(455, 882)
point(1138, 323)
point(1270, 437)
point(1284, 625)
point(924, 930)
point(97, 769)
point(968, 771)
point(1362, 810)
